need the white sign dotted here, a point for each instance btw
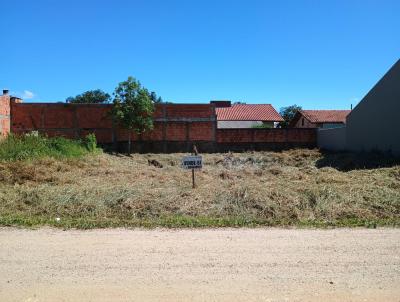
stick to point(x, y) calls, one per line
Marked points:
point(192, 162)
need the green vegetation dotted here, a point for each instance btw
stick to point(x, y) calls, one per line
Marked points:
point(34, 145)
point(90, 97)
point(90, 142)
point(298, 187)
point(263, 126)
point(98, 96)
point(177, 221)
point(288, 114)
point(154, 98)
point(133, 107)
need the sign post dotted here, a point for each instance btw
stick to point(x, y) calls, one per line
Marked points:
point(192, 162)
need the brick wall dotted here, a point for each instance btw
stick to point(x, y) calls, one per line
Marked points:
point(176, 127)
point(4, 115)
point(260, 135)
point(172, 122)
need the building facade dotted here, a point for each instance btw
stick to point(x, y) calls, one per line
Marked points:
point(246, 115)
point(373, 124)
point(319, 119)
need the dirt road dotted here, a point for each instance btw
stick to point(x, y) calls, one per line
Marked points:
point(200, 265)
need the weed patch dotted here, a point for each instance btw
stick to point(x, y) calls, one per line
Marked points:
point(34, 145)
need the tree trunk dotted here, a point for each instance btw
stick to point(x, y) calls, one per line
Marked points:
point(129, 143)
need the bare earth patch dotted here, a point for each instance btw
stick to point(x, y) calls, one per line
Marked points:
point(295, 187)
point(200, 265)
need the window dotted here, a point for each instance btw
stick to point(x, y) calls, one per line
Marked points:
point(302, 121)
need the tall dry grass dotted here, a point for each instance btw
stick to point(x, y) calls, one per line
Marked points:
point(271, 188)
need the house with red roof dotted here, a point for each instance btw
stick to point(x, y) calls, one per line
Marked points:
point(245, 115)
point(319, 119)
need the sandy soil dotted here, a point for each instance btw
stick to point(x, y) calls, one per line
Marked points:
point(200, 265)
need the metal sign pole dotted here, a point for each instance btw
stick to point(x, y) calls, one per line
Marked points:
point(192, 162)
point(193, 182)
point(195, 152)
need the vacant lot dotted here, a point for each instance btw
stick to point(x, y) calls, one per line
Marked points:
point(296, 187)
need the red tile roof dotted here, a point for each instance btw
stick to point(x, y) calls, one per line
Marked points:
point(248, 112)
point(325, 116)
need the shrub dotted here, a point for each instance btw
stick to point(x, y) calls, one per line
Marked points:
point(91, 142)
point(34, 145)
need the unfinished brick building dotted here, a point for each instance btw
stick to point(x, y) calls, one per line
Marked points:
point(177, 127)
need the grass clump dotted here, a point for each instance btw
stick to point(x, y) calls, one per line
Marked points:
point(90, 142)
point(33, 145)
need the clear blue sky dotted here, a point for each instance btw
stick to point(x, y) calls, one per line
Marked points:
point(318, 54)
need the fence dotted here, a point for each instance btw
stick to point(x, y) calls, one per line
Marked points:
point(332, 139)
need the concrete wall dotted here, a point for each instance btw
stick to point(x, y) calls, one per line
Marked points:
point(332, 139)
point(373, 123)
point(242, 124)
point(332, 125)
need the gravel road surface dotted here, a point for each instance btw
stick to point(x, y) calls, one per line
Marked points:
point(265, 264)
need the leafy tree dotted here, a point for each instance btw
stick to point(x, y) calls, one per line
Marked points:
point(288, 113)
point(90, 97)
point(133, 107)
point(154, 98)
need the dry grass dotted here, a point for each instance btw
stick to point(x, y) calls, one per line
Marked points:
point(260, 188)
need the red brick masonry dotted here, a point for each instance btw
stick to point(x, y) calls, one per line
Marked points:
point(171, 122)
point(274, 135)
point(183, 123)
point(4, 115)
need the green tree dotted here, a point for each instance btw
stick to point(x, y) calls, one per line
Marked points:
point(133, 108)
point(90, 97)
point(154, 98)
point(288, 113)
